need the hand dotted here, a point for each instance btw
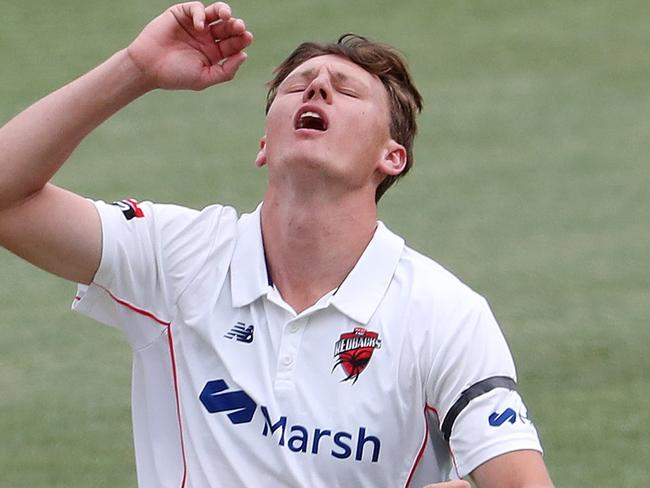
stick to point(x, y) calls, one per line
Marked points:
point(450, 484)
point(190, 46)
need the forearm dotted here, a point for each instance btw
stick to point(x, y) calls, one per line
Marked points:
point(35, 143)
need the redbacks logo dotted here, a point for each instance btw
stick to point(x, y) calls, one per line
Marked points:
point(129, 208)
point(353, 351)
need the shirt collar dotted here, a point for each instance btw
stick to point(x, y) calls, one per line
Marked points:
point(358, 296)
point(363, 289)
point(249, 278)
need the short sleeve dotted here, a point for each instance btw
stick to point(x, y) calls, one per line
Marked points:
point(472, 384)
point(150, 254)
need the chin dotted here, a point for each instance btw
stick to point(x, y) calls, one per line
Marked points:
point(298, 161)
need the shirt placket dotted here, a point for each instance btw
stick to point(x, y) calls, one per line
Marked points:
point(289, 350)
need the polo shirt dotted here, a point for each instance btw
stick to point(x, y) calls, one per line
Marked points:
point(399, 377)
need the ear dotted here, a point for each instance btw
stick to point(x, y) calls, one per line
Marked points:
point(394, 160)
point(260, 160)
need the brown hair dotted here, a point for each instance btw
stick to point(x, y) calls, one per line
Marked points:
point(380, 60)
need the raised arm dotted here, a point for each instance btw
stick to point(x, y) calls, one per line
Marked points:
point(189, 46)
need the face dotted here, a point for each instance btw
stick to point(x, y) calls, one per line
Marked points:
point(329, 126)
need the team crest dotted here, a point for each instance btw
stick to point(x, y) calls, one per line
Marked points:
point(353, 351)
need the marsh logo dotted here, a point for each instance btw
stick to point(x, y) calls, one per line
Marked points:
point(238, 404)
point(240, 408)
point(129, 208)
point(508, 415)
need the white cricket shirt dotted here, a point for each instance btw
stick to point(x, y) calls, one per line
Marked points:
point(400, 377)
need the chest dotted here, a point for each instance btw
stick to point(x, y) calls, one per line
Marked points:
point(316, 382)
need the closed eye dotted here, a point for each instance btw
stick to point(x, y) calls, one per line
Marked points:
point(295, 89)
point(348, 92)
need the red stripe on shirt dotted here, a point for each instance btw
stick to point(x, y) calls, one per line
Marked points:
point(423, 446)
point(453, 459)
point(178, 403)
point(172, 356)
point(134, 308)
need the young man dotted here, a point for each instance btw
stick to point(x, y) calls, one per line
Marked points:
point(302, 344)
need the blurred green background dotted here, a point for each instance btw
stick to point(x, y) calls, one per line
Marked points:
point(531, 183)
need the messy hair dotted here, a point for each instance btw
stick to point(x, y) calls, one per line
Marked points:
point(380, 60)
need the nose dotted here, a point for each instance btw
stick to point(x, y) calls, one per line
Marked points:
point(319, 87)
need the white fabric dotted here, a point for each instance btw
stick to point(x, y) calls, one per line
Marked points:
point(185, 286)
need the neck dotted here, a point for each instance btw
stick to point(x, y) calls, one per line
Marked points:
point(312, 244)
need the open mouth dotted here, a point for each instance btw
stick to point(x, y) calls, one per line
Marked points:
point(310, 119)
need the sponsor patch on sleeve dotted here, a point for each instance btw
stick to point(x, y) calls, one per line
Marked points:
point(129, 208)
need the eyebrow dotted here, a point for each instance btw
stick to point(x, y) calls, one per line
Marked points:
point(310, 73)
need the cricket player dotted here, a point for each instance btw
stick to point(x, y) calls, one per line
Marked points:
point(301, 344)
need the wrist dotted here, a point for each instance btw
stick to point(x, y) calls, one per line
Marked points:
point(133, 78)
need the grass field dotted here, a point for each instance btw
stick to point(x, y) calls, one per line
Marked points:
point(531, 183)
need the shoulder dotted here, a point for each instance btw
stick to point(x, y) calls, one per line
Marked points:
point(163, 222)
point(166, 214)
point(434, 284)
point(161, 239)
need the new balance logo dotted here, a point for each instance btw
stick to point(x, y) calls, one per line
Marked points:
point(241, 333)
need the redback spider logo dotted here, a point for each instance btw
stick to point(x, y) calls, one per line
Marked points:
point(353, 351)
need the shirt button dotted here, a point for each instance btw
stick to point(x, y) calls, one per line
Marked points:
point(287, 360)
point(294, 328)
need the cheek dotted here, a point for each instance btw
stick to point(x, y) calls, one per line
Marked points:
point(278, 115)
point(372, 128)
point(371, 119)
